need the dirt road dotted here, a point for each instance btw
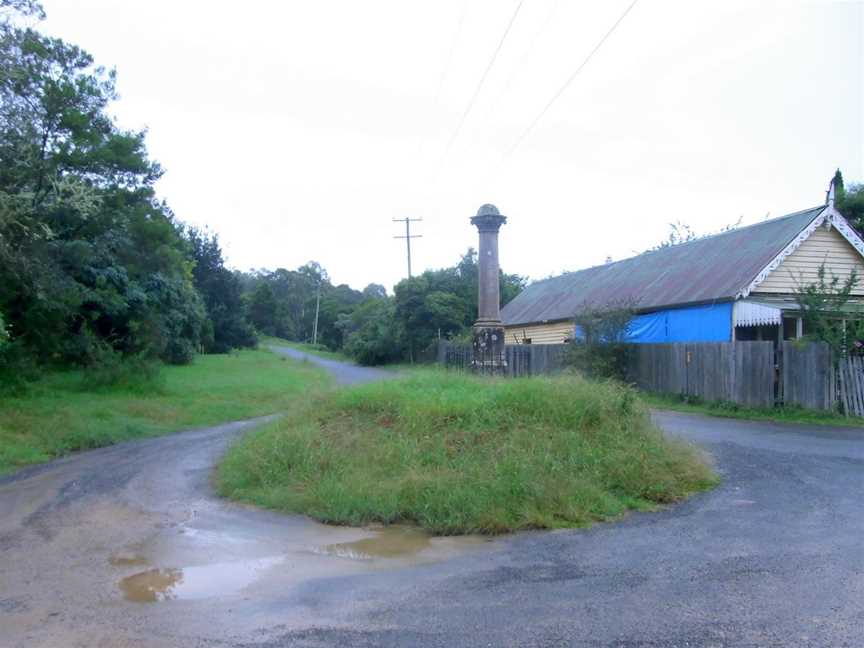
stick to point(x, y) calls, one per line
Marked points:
point(127, 546)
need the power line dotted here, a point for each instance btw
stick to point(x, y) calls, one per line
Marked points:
point(482, 80)
point(528, 50)
point(447, 64)
point(452, 51)
point(570, 80)
point(408, 236)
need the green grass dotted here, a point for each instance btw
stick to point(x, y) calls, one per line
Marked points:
point(456, 454)
point(731, 410)
point(317, 350)
point(59, 415)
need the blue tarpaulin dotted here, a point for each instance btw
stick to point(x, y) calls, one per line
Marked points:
point(712, 323)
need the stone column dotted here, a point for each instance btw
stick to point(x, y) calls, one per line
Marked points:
point(488, 332)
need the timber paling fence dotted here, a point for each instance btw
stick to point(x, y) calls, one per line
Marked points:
point(516, 361)
point(752, 374)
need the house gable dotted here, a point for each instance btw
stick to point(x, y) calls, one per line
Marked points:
point(825, 244)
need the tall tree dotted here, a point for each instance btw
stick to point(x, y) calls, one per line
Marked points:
point(222, 295)
point(88, 256)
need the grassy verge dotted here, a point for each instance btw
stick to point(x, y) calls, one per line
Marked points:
point(731, 410)
point(455, 454)
point(317, 350)
point(59, 414)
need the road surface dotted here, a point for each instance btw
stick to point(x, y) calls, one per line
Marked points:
point(127, 547)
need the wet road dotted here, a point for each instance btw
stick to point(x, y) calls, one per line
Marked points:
point(126, 546)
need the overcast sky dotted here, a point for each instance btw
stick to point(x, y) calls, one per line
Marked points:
point(299, 130)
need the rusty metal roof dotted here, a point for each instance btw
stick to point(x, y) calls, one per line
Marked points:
point(713, 268)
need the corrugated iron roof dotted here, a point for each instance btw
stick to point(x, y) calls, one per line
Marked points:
point(713, 268)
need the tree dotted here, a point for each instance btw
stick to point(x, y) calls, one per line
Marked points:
point(444, 301)
point(371, 335)
point(88, 257)
point(375, 291)
point(222, 295)
point(849, 202)
point(263, 310)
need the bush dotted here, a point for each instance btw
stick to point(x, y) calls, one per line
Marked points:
point(600, 350)
point(111, 370)
point(17, 368)
point(178, 351)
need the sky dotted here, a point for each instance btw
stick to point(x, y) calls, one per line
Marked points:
point(299, 130)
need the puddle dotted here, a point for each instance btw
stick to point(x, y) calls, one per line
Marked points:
point(389, 542)
point(313, 550)
point(190, 583)
point(399, 541)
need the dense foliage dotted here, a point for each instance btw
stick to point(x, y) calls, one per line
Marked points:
point(92, 265)
point(370, 326)
point(95, 270)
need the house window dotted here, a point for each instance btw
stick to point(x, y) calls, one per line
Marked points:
point(526, 340)
point(790, 328)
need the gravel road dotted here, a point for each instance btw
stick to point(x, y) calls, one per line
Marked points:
point(127, 546)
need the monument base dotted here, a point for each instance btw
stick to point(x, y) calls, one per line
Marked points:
point(488, 346)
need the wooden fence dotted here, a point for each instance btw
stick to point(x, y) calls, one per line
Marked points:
point(740, 373)
point(850, 385)
point(752, 374)
point(806, 375)
point(517, 360)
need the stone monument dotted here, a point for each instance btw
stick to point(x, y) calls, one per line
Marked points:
point(488, 332)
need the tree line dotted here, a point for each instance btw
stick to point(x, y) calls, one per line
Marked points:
point(368, 325)
point(92, 264)
point(95, 269)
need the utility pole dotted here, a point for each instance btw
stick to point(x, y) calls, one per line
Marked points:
point(408, 236)
point(317, 309)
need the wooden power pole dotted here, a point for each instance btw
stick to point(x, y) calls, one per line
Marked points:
point(408, 236)
point(317, 309)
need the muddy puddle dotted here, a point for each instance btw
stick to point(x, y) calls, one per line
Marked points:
point(402, 542)
point(236, 561)
point(190, 583)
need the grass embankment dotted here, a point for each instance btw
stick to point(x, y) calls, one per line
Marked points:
point(60, 413)
point(455, 454)
point(797, 415)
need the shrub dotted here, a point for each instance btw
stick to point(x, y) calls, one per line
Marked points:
point(111, 370)
point(600, 350)
point(17, 368)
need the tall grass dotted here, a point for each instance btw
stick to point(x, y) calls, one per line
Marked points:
point(456, 454)
point(75, 410)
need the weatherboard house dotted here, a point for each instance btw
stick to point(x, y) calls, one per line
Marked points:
point(738, 285)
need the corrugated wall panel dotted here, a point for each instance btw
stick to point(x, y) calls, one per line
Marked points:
point(552, 333)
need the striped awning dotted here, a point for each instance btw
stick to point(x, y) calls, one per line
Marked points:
point(748, 313)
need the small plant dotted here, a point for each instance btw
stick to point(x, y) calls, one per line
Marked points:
point(600, 349)
point(829, 313)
